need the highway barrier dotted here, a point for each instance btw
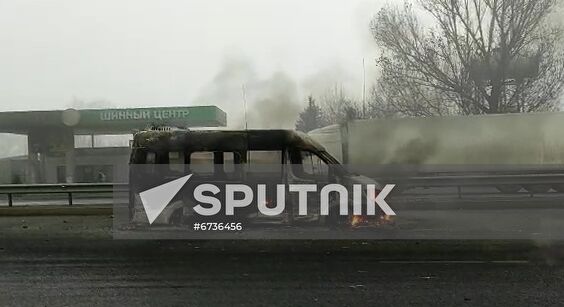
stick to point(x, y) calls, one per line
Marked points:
point(68, 189)
point(554, 180)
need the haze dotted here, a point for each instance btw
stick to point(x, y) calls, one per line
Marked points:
point(57, 54)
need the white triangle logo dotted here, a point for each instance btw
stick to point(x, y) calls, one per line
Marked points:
point(156, 199)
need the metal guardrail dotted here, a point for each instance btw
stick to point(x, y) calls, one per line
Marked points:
point(480, 180)
point(459, 180)
point(69, 189)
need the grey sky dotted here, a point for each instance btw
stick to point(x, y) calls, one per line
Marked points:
point(153, 53)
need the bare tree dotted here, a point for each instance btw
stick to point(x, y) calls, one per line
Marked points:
point(480, 57)
point(377, 106)
point(337, 107)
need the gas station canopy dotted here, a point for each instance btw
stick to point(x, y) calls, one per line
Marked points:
point(111, 120)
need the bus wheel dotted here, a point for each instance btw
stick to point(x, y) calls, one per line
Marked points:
point(537, 188)
point(509, 188)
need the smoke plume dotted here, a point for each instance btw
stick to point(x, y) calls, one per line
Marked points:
point(271, 102)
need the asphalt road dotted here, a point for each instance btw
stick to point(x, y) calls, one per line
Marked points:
point(99, 272)
point(73, 261)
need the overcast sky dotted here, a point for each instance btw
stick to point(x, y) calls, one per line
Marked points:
point(157, 53)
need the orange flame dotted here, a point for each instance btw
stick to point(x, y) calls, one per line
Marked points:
point(358, 220)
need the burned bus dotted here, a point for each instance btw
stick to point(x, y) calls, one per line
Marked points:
point(220, 156)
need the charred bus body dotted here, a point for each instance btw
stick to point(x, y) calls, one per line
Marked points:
point(220, 156)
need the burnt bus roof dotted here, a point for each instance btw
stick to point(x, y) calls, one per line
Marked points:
point(223, 140)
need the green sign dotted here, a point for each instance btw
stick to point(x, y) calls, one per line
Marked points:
point(206, 116)
point(140, 114)
point(112, 120)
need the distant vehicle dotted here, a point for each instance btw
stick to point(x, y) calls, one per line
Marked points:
point(219, 156)
point(504, 143)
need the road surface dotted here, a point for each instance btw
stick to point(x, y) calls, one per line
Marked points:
point(73, 261)
point(101, 272)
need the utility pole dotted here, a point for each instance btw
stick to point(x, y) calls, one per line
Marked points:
point(363, 90)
